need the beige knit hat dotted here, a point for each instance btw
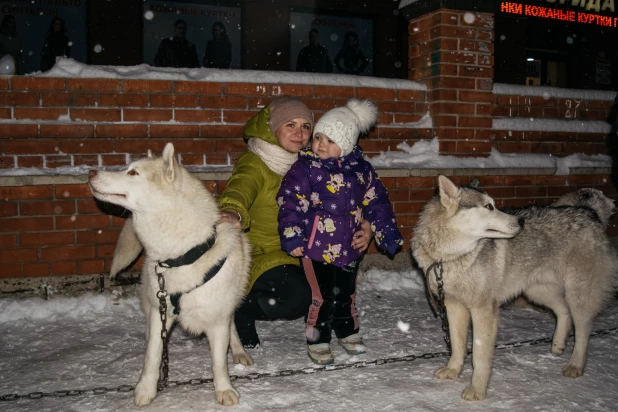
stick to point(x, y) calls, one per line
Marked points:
point(285, 108)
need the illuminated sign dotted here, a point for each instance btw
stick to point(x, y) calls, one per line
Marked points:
point(565, 15)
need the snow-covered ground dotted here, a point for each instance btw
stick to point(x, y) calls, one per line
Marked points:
point(98, 341)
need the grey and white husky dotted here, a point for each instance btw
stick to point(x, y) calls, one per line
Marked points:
point(558, 257)
point(205, 263)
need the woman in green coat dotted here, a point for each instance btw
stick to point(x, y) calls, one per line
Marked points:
point(277, 287)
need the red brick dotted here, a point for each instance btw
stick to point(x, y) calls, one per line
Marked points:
point(519, 180)
point(147, 86)
point(98, 236)
point(18, 131)
point(46, 239)
point(26, 224)
point(64, 268)
point(11, 270)
point(122, 100)
point(193, 116)
point(334, 91)
point(221, 131)
point(87, 207)
point(105, 250)
point(245, 88)
point(199, 146)
point(8, 241)
point(122, 130)
point(91, 266)
point(414, 182)
point(44, 114)
point(87, 146)
point(223, 102)
point(197, 87)
point(170, 131)
point(101, 115)
point(19, 99)
point(30, 161)
point(67, 131)
point(298, 90)
point(72, 191)
point(18, 255)
point(217, 159)
point(68, 99)
point(30, 146)
point(188, 159)
point(37, 83)
point(530, 191)
point(139, 147)
point(225, 146)
point(56, 207)
point(67, 252)
point(233, 116)
point(170, 100)
point(8, 208)
point(324, 104)
point(54, 161)
point(4, 83)
point(474, 147)
point(147, 115)
point(5, 113)
point(465, 121)
point(95, 85)
point(113, 160)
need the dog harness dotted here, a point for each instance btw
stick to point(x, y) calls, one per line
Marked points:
point(187, 259)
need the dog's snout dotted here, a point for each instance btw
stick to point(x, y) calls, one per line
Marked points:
point(521, 222)
point(91, 174)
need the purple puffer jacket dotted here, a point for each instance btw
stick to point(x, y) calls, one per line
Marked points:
point(322, 202)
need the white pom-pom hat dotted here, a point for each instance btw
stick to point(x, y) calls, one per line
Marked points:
point(343, 124)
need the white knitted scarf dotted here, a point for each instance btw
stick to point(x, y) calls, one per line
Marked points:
point(276, 158)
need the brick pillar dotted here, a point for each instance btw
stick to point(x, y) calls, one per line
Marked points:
point(451, 52)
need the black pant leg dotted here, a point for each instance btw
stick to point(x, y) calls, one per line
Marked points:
point(321, 278)
point(279, 293)
point(345, 321)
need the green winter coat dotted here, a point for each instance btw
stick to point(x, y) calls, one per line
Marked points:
point(251, 191)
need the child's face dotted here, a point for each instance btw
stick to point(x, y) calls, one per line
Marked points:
point(324, 147)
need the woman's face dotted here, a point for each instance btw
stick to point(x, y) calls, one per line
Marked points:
point(57, 25)
point(294, 134)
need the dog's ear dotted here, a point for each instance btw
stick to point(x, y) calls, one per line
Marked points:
point(474, 183)
point(449, 192)
point(170, 165)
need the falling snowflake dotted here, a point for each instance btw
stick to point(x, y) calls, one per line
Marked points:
point(149, 15)
point(98, 48)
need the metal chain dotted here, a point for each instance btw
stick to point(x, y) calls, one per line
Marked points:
point(438, 271)
point(286, 372)
point(162, 295)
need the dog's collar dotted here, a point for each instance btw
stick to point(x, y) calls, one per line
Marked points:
point(192, 255)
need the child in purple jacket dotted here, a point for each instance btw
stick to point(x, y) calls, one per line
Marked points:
point(322, 200)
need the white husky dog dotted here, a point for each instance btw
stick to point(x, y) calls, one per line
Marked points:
point(176, 221)
point(558, 257)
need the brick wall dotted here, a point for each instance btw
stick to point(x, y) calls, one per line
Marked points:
point(53, 122)
point(51, 226)
point(577, 106)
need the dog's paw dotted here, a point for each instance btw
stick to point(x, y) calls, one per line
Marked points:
point(144, 394)
point(557, 350)
point(572, 371)
point(243, 358)
point(446, 373)
point(227, 398)
point(473, 394)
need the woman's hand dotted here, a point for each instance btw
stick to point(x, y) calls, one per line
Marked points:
point(298, 252)
point(363, 237)
point(230, 216)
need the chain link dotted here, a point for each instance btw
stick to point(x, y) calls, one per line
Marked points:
point(438, 271)
point(286, 372)
point(162, 296)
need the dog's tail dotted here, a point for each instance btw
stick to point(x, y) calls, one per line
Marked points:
point(127, 249)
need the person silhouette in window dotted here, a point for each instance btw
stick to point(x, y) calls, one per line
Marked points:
point(56, 44)
point(314, 57)
point(177, 51)
point(353, 59)
point(11, 45)
point(218, 53)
